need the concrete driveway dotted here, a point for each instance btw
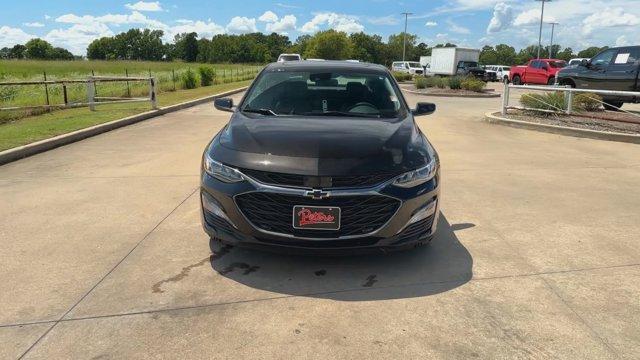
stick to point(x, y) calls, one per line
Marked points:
point(538, 256)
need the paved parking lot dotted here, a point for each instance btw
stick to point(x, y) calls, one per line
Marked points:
point(537, 255)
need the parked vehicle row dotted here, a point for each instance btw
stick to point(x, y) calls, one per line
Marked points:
point(536, 71)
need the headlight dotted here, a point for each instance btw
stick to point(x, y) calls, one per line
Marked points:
point(418, 176)
point(221, 171)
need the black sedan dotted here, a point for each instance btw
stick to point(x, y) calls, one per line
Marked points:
point(321, 156)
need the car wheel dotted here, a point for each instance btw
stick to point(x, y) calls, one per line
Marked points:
point(612, 105)
point(551, 81)
point(516, 80)
point(567, 82)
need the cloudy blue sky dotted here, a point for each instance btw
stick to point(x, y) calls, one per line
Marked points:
point(73, 24)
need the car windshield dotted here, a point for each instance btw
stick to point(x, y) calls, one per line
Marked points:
point(414, 64)
point(468, 64)
point(557, 64)
point(310, 93)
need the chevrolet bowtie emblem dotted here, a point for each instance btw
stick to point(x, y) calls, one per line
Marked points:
point(317, 194)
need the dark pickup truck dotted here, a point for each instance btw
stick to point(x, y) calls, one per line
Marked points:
point(612, 69)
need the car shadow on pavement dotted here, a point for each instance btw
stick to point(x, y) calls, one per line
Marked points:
point(441, 266)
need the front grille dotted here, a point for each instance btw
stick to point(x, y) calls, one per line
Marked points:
point(293, 180)
point(360, 214)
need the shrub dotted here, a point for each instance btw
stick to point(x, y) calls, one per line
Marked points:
point(421, 82)
point(400, 76)
point(473, 84)
point(206, 75)
point(587, 102)
point(189, 79)
point(455, 82)
point(553, 101)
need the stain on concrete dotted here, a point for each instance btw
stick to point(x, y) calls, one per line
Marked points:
point(157, 287)
point(371, 279)
point(321, 272)
point(248, 269)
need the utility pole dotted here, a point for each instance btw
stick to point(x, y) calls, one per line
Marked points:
point(553, 25)
point(540, 32)
point(404, 40)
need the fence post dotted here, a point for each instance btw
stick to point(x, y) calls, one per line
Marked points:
point(91, 88)
point(95, 88)
point(126, 74)
point(569, 100)
point(152, 93)
point(46, 88)
point(64, 94)
point(173, 78)
point(505, 97)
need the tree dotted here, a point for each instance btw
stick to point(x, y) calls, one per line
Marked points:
point(58, 53)
point(37, 49)
point(368, 48)
point(395, 46)
point(566, 54)
point(591, 51)
point(422, 49)
point(329, 44)
point(186, 46)
point(488, 55)
point(300, 46)
point(17, 52)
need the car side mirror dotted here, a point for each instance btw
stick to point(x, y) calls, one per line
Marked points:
point(223, 104)
point(424, 108)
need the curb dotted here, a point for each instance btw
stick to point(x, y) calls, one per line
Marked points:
point(486, 96)
point(37, 147)
point(563, 130)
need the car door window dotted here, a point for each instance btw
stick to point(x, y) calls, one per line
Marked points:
point(535, 64)
point(626, 56)
point(604, 58)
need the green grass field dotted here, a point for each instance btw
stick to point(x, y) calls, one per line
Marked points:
point(24, 126)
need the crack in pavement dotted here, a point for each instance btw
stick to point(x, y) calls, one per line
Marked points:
point(108, 273)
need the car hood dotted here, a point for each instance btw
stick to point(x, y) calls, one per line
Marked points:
point(324, 146)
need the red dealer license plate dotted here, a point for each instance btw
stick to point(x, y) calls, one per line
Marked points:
point(316, 217)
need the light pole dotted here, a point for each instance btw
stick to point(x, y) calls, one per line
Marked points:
point(540, 32)
point(553, 25)
point(404, 40)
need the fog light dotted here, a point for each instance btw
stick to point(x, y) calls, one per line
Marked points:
point(213, 206)
point(425, 211)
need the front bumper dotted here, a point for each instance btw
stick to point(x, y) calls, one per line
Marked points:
point(227, 222)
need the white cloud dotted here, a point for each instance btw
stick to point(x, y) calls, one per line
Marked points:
point(609, 18)
point(11, 36)
point(47, 17)
point(204, 29)
point(532, 17)
point(622, 41)
point(242, 25)
point(431, 24)
point(145, 6)
point(287, 23)
point(476, 4)
point(287, 6)
point(502, 18)
point(338, 22)
point(184, 21)
point(78, 36)
point(268, 16)
point(455, 28)
point(113, 19)
point(33, 24)
point(384, 20)
point(441, 35)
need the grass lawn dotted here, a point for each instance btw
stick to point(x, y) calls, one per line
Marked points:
point(34, 128)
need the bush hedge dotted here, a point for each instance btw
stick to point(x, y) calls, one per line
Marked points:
point(473, 84)
point(455, 82)
point(421, 82)
point(189, 80)
point(401, 76)
point(587, 102)
point(206, 75)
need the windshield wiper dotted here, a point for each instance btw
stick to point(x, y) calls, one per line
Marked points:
point(262, 111)
point(341, 113)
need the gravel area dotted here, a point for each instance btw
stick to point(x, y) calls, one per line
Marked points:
point(583, 122)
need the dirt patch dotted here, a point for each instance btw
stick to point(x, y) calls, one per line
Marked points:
point(605, 121)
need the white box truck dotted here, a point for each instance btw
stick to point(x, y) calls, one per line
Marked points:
point(455, 61)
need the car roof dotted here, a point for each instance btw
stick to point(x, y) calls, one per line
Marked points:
point(328, 65)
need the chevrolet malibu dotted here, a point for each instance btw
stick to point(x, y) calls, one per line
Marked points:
point(321, 156)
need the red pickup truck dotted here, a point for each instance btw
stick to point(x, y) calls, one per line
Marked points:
point(537, 71)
